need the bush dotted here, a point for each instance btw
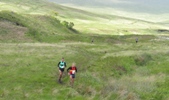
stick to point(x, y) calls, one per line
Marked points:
point(69, 25)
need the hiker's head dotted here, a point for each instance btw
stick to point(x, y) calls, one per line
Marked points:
point(62, 59)
point(73, 64)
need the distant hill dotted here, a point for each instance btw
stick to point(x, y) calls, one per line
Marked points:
point(146, 6)
point(46, 21)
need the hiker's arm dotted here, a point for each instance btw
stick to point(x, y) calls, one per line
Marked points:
point(76, 69)
point(65, 64)
point(68, 69)
point(58, 64)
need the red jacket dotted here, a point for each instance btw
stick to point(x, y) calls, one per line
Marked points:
point(72, 70)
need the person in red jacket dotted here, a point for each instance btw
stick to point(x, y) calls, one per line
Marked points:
point(72, 70)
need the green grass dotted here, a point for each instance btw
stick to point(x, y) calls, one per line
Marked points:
point(33, 40)
point(29, 71)
point(36, 26)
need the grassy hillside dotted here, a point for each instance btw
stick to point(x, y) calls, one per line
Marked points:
point(37, 18)
point(36, 26)
point(33, 39)
point(87, 20)
point(118, 68)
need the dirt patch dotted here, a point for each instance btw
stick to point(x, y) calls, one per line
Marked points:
point(11, 32)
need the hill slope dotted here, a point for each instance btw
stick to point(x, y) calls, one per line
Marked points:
point(86, 21)
point(110, 67)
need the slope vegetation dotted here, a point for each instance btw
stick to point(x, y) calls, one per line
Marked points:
point(33, 39)
point(37, 26)
point(84, 20)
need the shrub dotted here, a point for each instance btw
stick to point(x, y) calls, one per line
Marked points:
point(69, 25)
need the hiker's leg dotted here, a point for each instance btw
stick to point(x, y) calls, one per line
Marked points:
point(70, 79)
point(60, 75)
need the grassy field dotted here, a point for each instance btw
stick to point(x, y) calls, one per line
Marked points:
point(119, 70)
point(33, 40)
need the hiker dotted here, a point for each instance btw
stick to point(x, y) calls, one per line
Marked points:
point(61, 65)
point(92, 40)
point(71, 72)
point(136, 40)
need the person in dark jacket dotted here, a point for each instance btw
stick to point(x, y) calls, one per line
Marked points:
point(61, 66)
